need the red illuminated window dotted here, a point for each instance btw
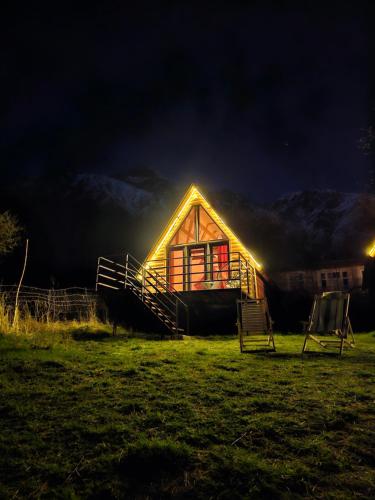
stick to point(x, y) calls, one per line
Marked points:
point(220, 265)
point(197, 271)
point(176, 269)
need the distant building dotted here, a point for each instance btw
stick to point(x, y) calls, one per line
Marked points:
point(328, 276)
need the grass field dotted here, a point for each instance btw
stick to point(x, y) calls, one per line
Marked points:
point(98, 417)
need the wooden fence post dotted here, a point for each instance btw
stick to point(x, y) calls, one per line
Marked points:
point(15, 317)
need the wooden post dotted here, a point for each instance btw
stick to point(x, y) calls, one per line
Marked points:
point(240, 273)
point(247, 278)
point(97, 275)
point(126, 269)
point(187, 314)
point(48, 306)
point(176, 316)
point(15, 317)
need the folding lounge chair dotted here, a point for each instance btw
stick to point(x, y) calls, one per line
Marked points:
point(329, 323)
point(254, 326)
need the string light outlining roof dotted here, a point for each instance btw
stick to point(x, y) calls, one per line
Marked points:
point(191, 197)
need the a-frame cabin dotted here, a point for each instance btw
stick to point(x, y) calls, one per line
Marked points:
point(197, 269)
point(197, 251)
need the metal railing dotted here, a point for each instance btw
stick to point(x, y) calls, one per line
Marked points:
point(230, 270)
point(109, 274)
point(149, 286)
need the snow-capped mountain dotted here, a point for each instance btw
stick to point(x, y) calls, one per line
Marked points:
point(313, 209)
point(339, 223)
point(306, 225)
point(101, 214)
point(108, 190)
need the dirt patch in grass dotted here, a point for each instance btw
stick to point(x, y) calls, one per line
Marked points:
point(82, 335)
point(154, 460)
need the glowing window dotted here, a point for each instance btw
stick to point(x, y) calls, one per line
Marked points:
point(186, 233)
point(176, 269)
point(197, 264)
point(208, 229)
point(220, 264)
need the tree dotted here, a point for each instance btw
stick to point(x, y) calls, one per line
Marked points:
point(10, 232)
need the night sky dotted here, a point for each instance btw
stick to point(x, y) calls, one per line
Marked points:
point(260, 98)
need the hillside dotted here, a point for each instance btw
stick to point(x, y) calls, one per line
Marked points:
point(335, 224)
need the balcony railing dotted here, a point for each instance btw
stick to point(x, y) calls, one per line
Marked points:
point(211, 272)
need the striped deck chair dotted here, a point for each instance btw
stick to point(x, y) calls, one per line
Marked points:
point(254, 326)
point(329, 323)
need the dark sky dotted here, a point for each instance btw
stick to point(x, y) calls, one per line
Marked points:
point(262, 98)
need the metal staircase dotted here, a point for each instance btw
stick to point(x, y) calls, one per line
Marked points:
point(149, 287)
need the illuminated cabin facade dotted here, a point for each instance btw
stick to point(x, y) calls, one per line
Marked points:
point(197, 251)
point(191, 278)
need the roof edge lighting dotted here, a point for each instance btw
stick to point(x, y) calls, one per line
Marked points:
point(191, 194)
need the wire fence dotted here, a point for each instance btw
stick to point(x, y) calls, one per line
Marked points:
point(48, 305)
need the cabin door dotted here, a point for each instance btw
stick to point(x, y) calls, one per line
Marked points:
point(197, 268)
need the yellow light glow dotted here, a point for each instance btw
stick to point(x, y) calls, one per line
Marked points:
point(371, 250)
point(229, 231)
point(192, 195)
point(173, 226)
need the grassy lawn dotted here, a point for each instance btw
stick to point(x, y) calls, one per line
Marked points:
point(102, 417)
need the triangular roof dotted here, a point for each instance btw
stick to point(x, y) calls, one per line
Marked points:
point(193, 196)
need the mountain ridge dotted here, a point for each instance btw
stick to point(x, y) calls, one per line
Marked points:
point(73, 221)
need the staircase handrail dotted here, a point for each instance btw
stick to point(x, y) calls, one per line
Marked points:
point(113, 275)
point(140, 279)
point(166, 288)
point(112, 261)
point(158, 299)
point(169, 287)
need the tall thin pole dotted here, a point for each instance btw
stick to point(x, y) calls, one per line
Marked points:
point(126, 270)
point(20, 283)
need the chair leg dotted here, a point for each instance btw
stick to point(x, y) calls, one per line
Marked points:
point(341, 345)
point(304, 345)
point(273, 343)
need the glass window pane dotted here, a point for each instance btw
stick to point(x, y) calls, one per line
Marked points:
point(176, 269)
point(197, 269)
point(220, 265)
point(208, 229)
point(186, 233)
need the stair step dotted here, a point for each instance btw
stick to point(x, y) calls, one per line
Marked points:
point(146, 295)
